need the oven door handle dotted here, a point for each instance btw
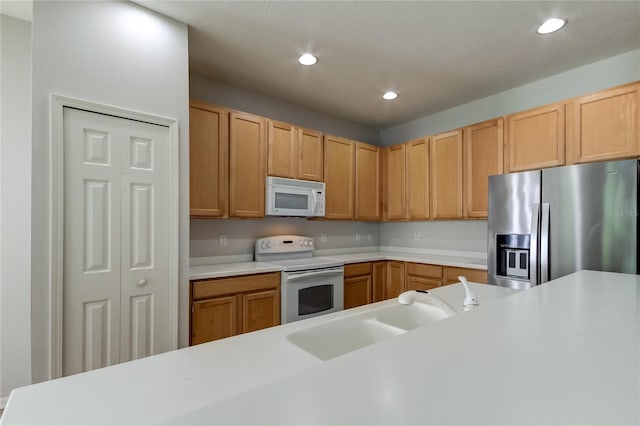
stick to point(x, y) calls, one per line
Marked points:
point(296, 277)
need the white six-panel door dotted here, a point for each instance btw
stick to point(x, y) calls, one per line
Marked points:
point(116, 242)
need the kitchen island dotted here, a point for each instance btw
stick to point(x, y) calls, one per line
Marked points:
point(566, 352)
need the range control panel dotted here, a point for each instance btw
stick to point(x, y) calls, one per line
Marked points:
point(284, 244)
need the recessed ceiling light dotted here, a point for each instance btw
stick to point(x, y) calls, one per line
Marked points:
point(551, 25)
point(389, 95)
point(307, 59)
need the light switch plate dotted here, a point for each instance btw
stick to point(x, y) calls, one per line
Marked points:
point(222, 240)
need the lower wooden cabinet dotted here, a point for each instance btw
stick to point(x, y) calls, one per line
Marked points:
point(357, 285)
point(395, 279)
point(451, 274)
point(369, 282)
point(423, 277)
point(379, 280)
point(224, 307)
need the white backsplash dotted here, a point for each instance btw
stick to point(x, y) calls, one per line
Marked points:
point(242, 233)
point(468, 236)
point(464, 235)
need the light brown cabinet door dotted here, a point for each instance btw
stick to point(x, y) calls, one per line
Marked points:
point(223, 307)
point(310, 155)
point(214, 319)
point(536, 138)
point(395, 279)
point(379, 280)
point(208, 148)
point(604, 125)
point(452, 273)
point(260, 310)
point(282, 150)
point(339, 177)
point(483, 157)
point(423, 277)
point(446, 175)
point(367, 182)
point(418, 178)
point(357, 291)
point(394, 165)
point(247, 160)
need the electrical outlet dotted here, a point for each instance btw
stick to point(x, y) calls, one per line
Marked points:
point(222, 240)
point(416, 236)
point(357, 236)
point(323, 237)
point(369, 236)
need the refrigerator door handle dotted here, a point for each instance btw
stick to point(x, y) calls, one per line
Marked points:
point(533, 248)
point(544, 244)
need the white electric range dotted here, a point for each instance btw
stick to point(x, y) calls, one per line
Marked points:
point(310, 286)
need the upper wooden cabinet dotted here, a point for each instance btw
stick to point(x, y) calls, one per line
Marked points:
point(282, 150)
point(418, 179)
point(536, 138)
point(367, 182)
point(483, 157)
point(247, 160)
point(394, 176)
point(294, 152)
point(604, 125)
point(310, 155)
point(208, 150)
point(339, 163)
point(446, 175)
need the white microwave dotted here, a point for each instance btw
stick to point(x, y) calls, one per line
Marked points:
point(294, 197)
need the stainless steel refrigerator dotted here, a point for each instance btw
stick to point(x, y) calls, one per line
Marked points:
point(549, 223)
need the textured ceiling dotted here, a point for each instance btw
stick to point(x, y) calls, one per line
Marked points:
point(435, 54)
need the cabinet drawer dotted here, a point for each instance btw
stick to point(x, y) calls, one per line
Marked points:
point(418, 283)
point(232, 285)
point(474, 275)
point(356, 269)
point(431, 271)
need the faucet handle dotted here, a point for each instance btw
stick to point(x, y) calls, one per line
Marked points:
point(470, 299)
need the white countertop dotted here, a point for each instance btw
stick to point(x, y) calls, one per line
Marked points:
point(565, 352)
point(159, 388)
point(201, 272)
point(436, 257)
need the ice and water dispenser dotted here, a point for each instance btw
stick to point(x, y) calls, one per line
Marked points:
point(513, 256)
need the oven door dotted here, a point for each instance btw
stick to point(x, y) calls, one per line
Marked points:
point(307, 294)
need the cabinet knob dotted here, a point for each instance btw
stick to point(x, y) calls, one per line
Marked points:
point(141, 282)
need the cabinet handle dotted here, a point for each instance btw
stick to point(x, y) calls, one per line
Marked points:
point(142, 282)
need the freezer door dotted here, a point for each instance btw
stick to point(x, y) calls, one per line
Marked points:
point(592, 218)
point(512, 229)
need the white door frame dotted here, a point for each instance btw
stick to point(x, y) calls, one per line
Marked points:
point(56, 216)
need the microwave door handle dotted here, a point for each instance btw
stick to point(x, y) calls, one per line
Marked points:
point(314, 201)
point(298, 277)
